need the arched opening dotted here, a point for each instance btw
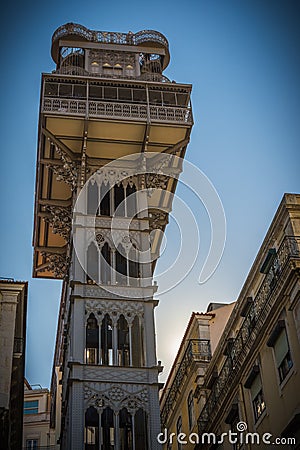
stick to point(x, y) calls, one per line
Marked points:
point(108, 429)
point(91, 435)
point(136, 338)
point(105, 264)
point(119, 196)
point(131, 200)
point(106, 341)
point(121, 266)
point(123, 342)
point(92, 275)
point(105, 200)
point(92, 198)
point(92, 340)
point(125, 425)
point(141, 430)
point(133, 266)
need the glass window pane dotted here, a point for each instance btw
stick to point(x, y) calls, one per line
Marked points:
point(281, 347)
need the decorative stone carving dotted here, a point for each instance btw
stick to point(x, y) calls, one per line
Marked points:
point(114, 309)
point(60, 220)
point(67, 172)
point(57, 263)
point(116, 396)
point(100, 240)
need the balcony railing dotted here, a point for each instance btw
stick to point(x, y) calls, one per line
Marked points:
point(107, 37)
point(198, 350)
point(252, 325)
point(114, 110)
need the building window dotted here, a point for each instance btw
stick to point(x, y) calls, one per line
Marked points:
point(125, 425)
point(31, 444)
point(108, 429)
point(191, 412)
point(92, 264)
point(279, 341)
point(254, 383)
point(105, 264)
point(92, 340)
point(178, 431)
point(106, 341)
point(123, 342)
point(137, 344)
point(257, 397)
point(31, 407)
point(283, 355)
point(91, 437)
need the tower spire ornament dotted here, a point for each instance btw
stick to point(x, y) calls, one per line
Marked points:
point(110, 123)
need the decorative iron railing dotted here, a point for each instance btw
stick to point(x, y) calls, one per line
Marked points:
point(251, 326)
point(117, 110)
point(198, 350)
point(107, 37)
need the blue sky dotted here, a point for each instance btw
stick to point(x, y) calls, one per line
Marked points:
point(242, 58)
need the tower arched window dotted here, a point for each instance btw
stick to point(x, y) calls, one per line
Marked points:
point(125, 429)
point(191, 411)
point(131, 200)
point(105, 264)
point(133, 266)
point(92, 198)
point(137, 347)
point(92, 263)
point(121, 266)
point(92, 340)
point(105, 193)
point(107, 341)
point(91, 435)
point(119, 197)
point(123, 349)
point(108, 429)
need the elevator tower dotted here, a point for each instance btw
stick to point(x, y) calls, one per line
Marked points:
point(108, 118)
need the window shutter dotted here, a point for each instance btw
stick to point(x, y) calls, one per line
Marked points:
point(281, 347)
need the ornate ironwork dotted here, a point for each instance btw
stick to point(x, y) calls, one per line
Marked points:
point(158, 220)
point(198, 350)
point(60, 220)
point(107, 37)
point(57, 263)
point(66, 172)
point(252, 324)
point(117, 110)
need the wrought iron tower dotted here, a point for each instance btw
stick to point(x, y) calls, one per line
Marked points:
point(110, 130)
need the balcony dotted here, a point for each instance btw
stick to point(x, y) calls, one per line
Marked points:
point(79, 32)
point(113, 110)
point(253, 323)
point(198, 350)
